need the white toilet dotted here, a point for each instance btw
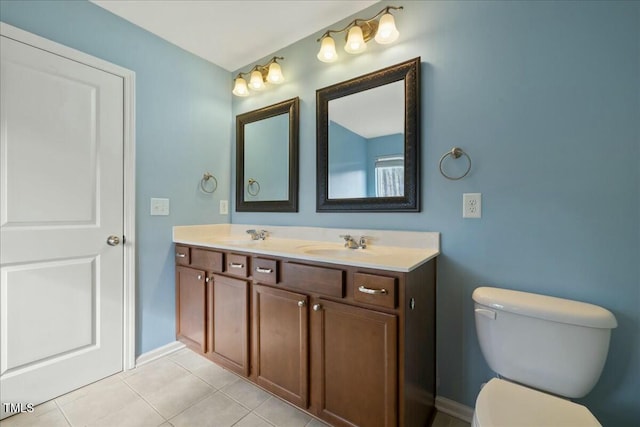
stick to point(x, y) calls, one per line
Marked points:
point(545, 351)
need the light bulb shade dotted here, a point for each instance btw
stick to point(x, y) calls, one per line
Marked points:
point(355, 41)
point(256, 82)
point(240, 87)
point(387, 31)
point(275, 74)
point(328, 50)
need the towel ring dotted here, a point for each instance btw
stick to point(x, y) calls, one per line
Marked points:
point(455, 153)
point(251, 184)
point(205, 178)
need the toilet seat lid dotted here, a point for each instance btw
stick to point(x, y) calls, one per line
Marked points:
point(502, 403)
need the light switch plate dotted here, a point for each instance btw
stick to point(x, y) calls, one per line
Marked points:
point(224, 207)
point(159, 206)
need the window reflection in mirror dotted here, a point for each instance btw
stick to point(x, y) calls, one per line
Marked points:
point(366, 143)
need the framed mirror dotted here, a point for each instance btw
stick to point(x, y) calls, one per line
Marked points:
point(267, 158)
point(368, 142)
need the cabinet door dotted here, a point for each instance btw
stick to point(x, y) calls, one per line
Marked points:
point(230, 324)
point(190, 306)
point(280, 325)
point(355, 355)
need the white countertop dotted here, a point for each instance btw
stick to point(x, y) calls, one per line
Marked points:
point(386, 249)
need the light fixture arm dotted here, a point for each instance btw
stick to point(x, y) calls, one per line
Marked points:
point(264, 69)
point(355, 21)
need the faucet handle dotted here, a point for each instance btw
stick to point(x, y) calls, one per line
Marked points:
point(263, 234)
point(253, 233)
point(348, 240)
point(363, 241)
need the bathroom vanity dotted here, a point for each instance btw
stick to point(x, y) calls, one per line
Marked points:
point(347, 335)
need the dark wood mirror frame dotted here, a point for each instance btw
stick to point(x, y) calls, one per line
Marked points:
point(409, 72)
point(291, 107)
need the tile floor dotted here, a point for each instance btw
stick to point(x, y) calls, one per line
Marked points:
point(180, 389)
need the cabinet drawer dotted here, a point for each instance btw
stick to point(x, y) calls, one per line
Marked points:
point(265, 270)
point(374, 289)
point(206, 260)
point(237, 265)
point(182, 255)
point(320, 280)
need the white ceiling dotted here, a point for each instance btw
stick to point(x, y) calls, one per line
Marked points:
point(233, 34)
point(372, 113)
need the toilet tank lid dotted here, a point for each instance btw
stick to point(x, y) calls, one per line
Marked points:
point(545, 307)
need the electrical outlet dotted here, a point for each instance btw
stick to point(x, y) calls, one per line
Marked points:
point(224, 207)
point(472, 205)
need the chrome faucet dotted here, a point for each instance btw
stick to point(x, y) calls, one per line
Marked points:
point(352, 244)
point(258, 234)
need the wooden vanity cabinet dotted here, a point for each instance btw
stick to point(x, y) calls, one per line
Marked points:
point(229, 323)
point(281, 343)
point(355, 365)
point(191, 307)
point(352, 346)
point(212, 308)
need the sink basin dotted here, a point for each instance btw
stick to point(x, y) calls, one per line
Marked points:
point(240, 242)
point(338, 251)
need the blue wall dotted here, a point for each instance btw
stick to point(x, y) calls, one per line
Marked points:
point(348, 163)
point(266, 158)
point(183, 128)
point(544, 96)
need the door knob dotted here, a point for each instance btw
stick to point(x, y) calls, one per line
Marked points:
point(113, 240)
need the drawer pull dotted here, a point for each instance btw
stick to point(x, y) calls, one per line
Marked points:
point(179, 255)
point(236, 265)
point(301, 303)
point(370, 291)
point(264, 270)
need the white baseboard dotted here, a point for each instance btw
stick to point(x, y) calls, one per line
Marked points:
point(453, 408)
point(159, 352)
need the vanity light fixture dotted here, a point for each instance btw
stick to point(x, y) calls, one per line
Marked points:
point(359, 32)
point(259, 76)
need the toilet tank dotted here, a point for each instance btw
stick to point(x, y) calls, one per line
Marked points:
point(551, 344)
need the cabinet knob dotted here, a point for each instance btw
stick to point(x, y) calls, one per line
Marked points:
point(317, 307)
point(301, 303)
point(199, 276)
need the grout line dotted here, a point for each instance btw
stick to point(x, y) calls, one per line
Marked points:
point(206, 396)
point(255, 415)
point(62, 412)
point(145, 400)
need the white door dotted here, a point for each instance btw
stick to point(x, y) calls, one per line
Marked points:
point(61, 197)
